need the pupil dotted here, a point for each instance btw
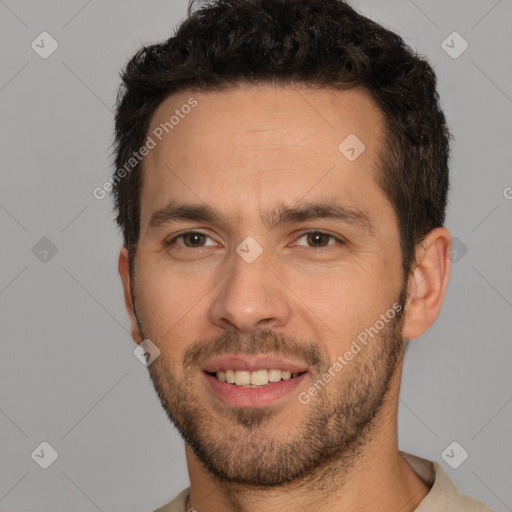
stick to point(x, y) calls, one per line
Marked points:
point(193, 239)
point(318, 239)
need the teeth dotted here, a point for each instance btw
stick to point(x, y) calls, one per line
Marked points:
point(254, 379)
point(242, 378)
point(259, 377)
point(274, 375)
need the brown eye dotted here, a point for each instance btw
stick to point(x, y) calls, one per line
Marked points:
point(194, 239)
point(318, 239)
point(191, 240)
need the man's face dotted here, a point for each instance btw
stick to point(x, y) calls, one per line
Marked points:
point(291, 252)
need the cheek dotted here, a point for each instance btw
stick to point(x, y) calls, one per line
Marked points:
point(169, 302)
point(343, 300)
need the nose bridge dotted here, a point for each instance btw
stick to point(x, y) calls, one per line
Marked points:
point(250, 296)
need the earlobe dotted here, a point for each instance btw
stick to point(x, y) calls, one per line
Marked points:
point(124, 271)
point(427, 282)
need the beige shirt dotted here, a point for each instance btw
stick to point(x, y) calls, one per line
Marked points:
point(443, 495)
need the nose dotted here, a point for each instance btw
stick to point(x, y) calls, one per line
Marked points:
point(250, 297)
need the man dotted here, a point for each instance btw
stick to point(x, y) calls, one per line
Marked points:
point(281, 183)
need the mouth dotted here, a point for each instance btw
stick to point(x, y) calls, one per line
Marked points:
point(254, 379)
point(256, 382)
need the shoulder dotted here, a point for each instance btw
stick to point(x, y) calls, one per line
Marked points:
point(443, 494)
point(177, 504)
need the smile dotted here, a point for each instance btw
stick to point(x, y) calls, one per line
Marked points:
point(254, 379)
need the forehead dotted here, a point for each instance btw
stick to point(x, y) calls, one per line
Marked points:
point(267, 143)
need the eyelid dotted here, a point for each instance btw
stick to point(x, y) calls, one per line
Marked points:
point(336, 237)
point(172, 238)
point(169, 241)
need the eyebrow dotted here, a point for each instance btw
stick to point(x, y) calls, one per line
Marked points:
point(279, 216)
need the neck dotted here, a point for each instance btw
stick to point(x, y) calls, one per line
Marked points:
point(374, 477)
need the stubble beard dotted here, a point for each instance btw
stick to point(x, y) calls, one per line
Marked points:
point(246, 446)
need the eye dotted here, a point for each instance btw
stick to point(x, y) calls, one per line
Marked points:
point(191, 239)
point(318, 239)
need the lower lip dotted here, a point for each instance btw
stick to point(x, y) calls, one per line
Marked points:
point(253, 397)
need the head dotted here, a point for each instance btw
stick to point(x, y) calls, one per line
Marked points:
point(283, 195)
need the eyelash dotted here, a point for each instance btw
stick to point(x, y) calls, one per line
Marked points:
point(320, 232)
point(181, 235)
point(305, 233)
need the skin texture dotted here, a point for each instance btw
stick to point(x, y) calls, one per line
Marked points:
point(247, 151)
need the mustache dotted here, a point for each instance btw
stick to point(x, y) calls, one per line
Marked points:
point(266, 342)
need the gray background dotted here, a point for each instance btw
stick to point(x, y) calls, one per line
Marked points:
point(67, 369)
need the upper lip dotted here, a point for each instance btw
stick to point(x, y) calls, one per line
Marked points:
point(247, 363)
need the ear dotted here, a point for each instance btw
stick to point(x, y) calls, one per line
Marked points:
point(124, 272)
point(427, 282)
